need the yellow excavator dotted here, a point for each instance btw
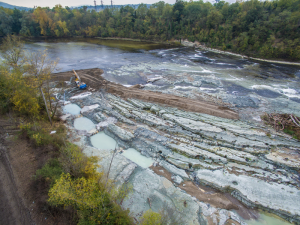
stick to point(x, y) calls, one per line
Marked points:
point(80, 85)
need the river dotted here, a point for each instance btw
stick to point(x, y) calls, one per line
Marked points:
point(252, 87)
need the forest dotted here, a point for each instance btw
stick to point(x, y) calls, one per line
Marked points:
point(267, 29)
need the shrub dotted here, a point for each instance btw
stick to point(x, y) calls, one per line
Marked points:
point(151, 218)
point(39, 133)
point(90, 198)
point(76, 163)
point(50, 171)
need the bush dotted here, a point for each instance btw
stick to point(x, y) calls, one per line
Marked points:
point(39, 133)
point(51, 171)
point(77, 163)
point(94, 204)
point(151, 218)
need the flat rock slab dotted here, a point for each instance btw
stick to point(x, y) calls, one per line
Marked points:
point(270, 195)
point(89, 108)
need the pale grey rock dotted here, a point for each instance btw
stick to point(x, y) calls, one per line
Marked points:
point(88, 108)
point(92, 132)
point(158, 193)
point(194, 126)
point(126, 173)
point(154, 109)
point(189, 163)
point(99, 117)
point(177, 179)
point(234, 155)
point(151, 119)
point(106, 123)
point(288, 161)
point(122, 110)
point(174, 170)
point(121, 133)
point(277, 197)
point(65, 117)
point(196, 152)
point(137, 103)
point(120, 117)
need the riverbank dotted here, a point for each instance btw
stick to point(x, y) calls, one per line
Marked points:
point(196, 44)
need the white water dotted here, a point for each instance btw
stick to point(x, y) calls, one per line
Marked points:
point(137, 157)
point(83, 123)
point(103, 141)
point(72, 109)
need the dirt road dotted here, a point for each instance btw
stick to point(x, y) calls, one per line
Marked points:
point(12, 209)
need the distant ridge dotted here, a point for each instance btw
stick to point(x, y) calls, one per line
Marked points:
point(5, 5)
point(99, 7)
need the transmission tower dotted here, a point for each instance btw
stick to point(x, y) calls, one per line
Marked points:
point(95, 5)
point(102, 4)
point(111, 2)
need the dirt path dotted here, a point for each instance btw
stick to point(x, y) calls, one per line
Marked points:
point(12, 208)
point(23, 200)
point(94, 80)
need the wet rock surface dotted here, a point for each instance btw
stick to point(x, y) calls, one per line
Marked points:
point(241, 165)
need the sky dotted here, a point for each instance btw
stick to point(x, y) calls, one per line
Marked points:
point(52, 3)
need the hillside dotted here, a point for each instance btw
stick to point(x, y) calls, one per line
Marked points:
point(6, 5)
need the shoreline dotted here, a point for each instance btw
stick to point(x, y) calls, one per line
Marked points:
point(196, 44)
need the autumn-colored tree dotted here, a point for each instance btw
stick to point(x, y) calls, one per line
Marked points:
point(83, 188)
point(26, 76)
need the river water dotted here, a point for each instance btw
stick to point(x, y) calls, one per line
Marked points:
point(252, 87)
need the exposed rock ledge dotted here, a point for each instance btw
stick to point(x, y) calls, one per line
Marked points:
point(196, 149)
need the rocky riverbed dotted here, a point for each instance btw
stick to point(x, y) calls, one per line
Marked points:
point(205, 170)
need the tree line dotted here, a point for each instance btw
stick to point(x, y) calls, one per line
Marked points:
point(268, 29)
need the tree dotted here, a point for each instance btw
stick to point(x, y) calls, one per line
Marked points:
point(12, 51)
point(39, 67)
point(26, 74)
point(16, 25)
point(6, 22)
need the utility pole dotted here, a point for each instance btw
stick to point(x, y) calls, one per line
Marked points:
point(102, 4)
point(95, 5)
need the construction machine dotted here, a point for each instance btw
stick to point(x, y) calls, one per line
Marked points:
point(79, 84)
